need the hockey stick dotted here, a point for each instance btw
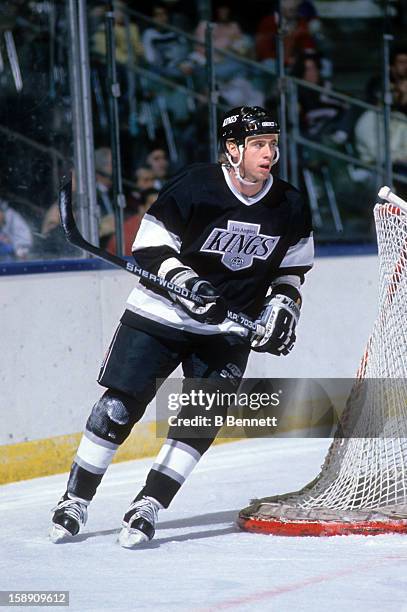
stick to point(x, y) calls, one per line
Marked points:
point(75, 237)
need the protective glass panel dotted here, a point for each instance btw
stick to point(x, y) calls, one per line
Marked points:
point(35, 127)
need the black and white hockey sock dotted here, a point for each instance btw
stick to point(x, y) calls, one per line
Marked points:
point(173, 464)
point(92, 459)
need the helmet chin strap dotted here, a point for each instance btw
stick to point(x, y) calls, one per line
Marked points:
point(235, 165)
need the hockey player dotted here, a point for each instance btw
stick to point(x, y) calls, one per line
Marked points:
point(238, 237)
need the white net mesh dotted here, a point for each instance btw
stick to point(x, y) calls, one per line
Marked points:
point(364, 476)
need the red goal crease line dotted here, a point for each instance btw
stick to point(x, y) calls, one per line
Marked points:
point(254, 599)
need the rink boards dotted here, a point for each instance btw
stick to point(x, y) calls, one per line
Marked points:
point(57, 327)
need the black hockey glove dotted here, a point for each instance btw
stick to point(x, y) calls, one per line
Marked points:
point(215, 308)
point(279, 318)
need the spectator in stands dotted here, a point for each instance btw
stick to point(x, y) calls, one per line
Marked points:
point(368, 144)
point(319, 111)
point(51, 221)
point(236, 84)
point(227, 36)
point(52, 241)
point(149, 196)
point(398, 72)
point(298, 25)
point(128, 52)
point(123, 36)
point(132, 221)
point(167, 54)
point(400, 95)
point(240, 91)
point(366, 136)
point(15, 234)
point(104, 195)
point(144, 180)
point(183, 13)
point(157, 160)
point(165, 51)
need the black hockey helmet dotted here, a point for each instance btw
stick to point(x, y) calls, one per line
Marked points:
point(244, 121)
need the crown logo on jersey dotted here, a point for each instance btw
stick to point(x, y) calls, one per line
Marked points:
point(239, 244)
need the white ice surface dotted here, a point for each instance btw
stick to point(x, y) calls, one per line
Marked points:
point(199, 561)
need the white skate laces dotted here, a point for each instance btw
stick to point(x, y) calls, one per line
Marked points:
point(70, 515)
point(139, 522)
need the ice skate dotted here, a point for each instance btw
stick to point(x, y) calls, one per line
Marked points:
point(70, 515)
point(139, 522)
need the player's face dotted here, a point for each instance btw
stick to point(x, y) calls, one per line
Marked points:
point(258, 157)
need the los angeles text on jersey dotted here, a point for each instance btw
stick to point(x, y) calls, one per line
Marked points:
point(219, 421)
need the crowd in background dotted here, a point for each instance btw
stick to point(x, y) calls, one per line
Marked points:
point(162, 127)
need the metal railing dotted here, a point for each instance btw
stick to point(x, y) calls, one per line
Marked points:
point(286, 89)
point(297, 140)
point(290, 84)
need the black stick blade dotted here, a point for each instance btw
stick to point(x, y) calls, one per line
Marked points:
point(67, 219)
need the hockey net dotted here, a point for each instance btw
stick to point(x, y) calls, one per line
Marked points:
point(362, 485)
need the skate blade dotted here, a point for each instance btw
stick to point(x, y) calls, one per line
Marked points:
point(58, 534)
point(131, 539)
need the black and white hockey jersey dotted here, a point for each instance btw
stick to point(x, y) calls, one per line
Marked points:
point(238, 243)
